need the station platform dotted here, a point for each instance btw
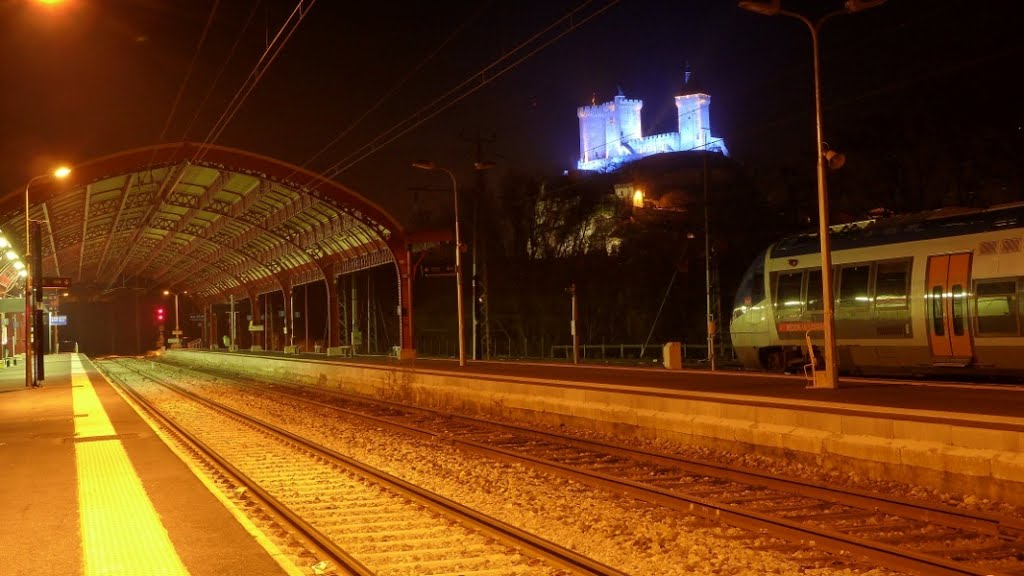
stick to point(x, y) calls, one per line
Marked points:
point(89, 489)
point(948, 437)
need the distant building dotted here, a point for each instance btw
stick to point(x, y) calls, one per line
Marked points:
point(610, 133)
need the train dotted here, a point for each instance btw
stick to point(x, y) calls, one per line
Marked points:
point(935, 293)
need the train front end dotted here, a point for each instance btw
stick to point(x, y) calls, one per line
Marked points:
point(749, 327)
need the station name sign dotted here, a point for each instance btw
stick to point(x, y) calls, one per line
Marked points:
point(56, 282)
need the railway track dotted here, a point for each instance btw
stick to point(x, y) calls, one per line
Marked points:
point(355, 519)
point(901, 535)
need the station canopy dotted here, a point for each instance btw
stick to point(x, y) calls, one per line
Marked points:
point(207, 220)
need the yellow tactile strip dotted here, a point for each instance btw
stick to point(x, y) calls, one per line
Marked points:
point(261, 538)
point(121, 532)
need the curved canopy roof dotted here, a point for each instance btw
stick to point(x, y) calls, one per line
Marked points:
point(208, 220)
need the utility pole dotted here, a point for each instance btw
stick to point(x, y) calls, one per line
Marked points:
point(572, 325)
point(707, 266)
point(479, 247)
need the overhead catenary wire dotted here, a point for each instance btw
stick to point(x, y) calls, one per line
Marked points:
point(174, 106)
point(273, 49)
point(269, 55)
point(398, 85)
point(188, 73)
point(259, 69)
point(220, 72)
point(575, 18)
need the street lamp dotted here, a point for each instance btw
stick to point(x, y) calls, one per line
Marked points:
point(773, 8)
point(59, 173)
point(177, 329)
point(458, 253)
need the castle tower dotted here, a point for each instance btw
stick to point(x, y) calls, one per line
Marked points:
point(694, 121)
point(605, 127)
point(693, 114)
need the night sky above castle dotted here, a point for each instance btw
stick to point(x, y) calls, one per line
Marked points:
point(363, 89)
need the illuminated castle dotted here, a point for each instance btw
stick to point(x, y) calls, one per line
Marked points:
point(610, 133)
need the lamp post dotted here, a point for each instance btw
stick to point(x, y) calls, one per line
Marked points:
point(177, 329)
point(59, 173)
point(458, 253)
point(773, 8)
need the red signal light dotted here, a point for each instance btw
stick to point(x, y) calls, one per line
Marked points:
point(159, 314)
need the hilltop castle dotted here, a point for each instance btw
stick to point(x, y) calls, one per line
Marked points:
point(610, 133)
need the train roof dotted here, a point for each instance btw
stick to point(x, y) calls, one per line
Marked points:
point(942, 223)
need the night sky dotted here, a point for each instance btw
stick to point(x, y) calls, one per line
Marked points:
point(343, 96)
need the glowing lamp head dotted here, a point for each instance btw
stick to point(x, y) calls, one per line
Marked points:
point(61, 172)
point(770, 8)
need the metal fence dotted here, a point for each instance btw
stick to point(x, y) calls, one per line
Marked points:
point(441, 345)
point(638, 352)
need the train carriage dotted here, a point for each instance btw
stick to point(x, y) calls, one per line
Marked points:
point(929, 293)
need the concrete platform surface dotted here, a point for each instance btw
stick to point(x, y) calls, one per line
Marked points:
point(89, 489)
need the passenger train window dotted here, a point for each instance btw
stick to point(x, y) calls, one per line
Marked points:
point(787, 290)
point(938, 324)
point(996, 308)
point(891, 284)
point(853, 285)
point(814, 290)
point(959, 305)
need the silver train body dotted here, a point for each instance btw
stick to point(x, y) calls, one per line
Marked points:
point(925, 294)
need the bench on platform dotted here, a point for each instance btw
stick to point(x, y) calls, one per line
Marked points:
point(344, 351)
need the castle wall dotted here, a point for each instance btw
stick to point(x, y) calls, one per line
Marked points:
point(657, 144)
point(611, 133)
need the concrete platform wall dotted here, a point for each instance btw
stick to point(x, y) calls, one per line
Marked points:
point(983, 456)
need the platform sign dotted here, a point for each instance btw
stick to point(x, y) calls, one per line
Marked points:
point(438, 271)
point(58, 320)
point(196, 317)
point(56, 282)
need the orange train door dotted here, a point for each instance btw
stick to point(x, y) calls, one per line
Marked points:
point(947, 286)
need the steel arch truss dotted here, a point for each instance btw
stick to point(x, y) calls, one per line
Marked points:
point(209, 220)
